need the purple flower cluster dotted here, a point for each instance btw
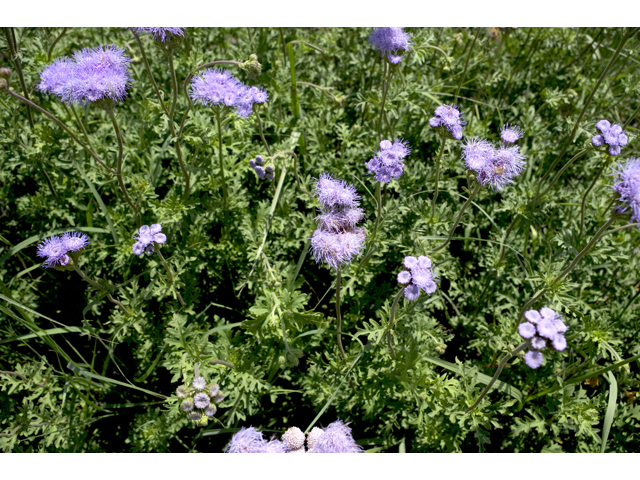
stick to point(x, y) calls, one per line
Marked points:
point(337, 239)
point(495, 167)
point(387, 163)
point(419, 272)
point(199, 400)
point(161, 33)
point(219, 87)
point(540, 327)
point(510, 134)
point(449, 117)
point(389, 40)
point(612, 135)
point(146, 237)
point(92, 75)
point(266, 172)
point(628, 187)
point(336, 438)
point(56, 249)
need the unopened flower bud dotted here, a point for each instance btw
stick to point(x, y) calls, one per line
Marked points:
point(259, 160)
point(252, 163)
point(187, 405)
point(181, 391)
point(252, 66)
point(210, 411)
point(218, 398)
point(213, 390)
point(293, 438)
point(195, 416)
point(269, 176)
point(5, 73)
point(269, 169)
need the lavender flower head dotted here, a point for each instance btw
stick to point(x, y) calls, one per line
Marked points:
point(161, 33)
point(389, 40)
point(250, 440)
point(449, 117)
point(511, 133)
point(628, 187)
point(264, 173)
point(56, 249)
point(387, 163)
point(201, 400)
point(494, 167)
point(421, 275)
point(612, 135)
point(336, 438)
point(337, 239)
point(147, 237)
point(540, 327)
point(93, 75)
point(217, 87)
point(293, 439)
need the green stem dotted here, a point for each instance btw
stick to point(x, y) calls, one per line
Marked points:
point(464, 72)
point(557, 176)
point(50, 51)
point(501, 365)
point(384, 98)
point(224, 181)
point(169, 272)
point(174, 87)
point(264, 141)
point(457, 220)
point(80, 124)
point(392, 316)
point(586, 194)
point(503, 248)
point(339, 316)
point(8, 32)
point(119, 165)
point(86, 278)
point(435, 194)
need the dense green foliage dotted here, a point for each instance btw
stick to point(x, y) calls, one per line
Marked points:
point(87, 375)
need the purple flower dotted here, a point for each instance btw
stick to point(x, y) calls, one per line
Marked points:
point(388, 40)
point(387, 163)
point(93, 75)
point(526, 330)
point(217, 87)
point(312, 439)
point(332, 193)
point(511, 133)
point(559, 342)
point(146, 237)
point(404, 277)
point(421, 276)
point(336, 439)
point(201, 400)
point(340, 221)
point(337, 249)
point(186, 405)
point(476, 153)
point(161, 33)
point(533, 316)
point(412, 292)
point(546, 328)
point(54, 250)
point(627, 186)
point(449, 117)
point(293, 439)
point(75, 241)
point(538, 343)
point(533, 359)
point(250, 440)
point(199, 383)
point(495, 167)
point(612, 135)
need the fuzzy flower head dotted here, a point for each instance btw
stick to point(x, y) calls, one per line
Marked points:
point(217, 87)
point(541, 328)
point(54, 250)
point(627, 186)
point(199, 383)
point(335, 193)
point(147, 236)
point(388, 162)
point(449, 117)
point(511, 133)
point(495, 168)
point(612, 135)
point(337, 249)
point(293, 439)
point(389, 41)
point(336, 438)
point(162, 34)
point(250, 440)
point(75, 241)
point(201, 400)
point(99, 75)
point(421, 275)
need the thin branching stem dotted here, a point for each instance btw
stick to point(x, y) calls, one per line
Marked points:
point(13, 50)
point(435, 193)
point(457, 220)
point(52, 46)
point(338, 315)
point(392, 316)
point(170, 273)
point(119, 164)
point(464, 72)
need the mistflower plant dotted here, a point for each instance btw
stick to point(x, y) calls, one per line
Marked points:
point(217, 87)
point(148, 236)
point(541, 328)
point(99, 75)
point(388, 162)
point(448, 117)
point(612, 135)
point(627, 187)
point(250, 440)
point(511, 133)
point(495, 167)
point(55, 249)
point(200, 400)
point(421, 276)
point(390, 41)
point(336, 438)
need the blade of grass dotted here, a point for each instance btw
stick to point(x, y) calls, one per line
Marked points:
point(84, 373)
point(611, 410)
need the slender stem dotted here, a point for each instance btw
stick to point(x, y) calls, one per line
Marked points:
point(66, 129)
point(220, 158)
point(50, 51)
point(86, 278)
point(392, 316)
point(338, 315)
point(630, 119)
point(13, 47)
point(435, 194)
point(170, 273)
point(113, 300)
point(586, 194)
point(464, 72)
point(557, 176)
point(119, 164)
point(222, 362)
point(457, 220)
point(174, 86)
point(384, 98)
point(80, 124)
point(264, 141)
point(146, 64)
point(501, 365)
point(503, 248)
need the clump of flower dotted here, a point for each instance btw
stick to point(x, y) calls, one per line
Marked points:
point(200, 399)
point(495, 167)
point(293, 440)
point(510, 133)
point(541, 327)
point(99, 75)
point(217, 87)
point(387, 163)
point(337, 239)
point(628, 187)
point(612, 135)
point(336, 438)
point(147, 236)
point(56, 249)
point(161, 33)
point(267, 172)
point(421, 276)
point(390, 41)
point(449, 117)
point(250, 440)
